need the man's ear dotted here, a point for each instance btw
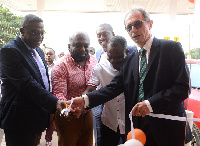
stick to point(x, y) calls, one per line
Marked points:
point(150, 24)
point(127, 52)
point(69, 47)
point(113, 33)
point(22, 31)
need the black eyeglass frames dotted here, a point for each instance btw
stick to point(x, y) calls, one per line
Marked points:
point(36, 33)
point(137, 25)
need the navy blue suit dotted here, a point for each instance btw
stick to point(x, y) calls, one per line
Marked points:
point(166, 86)
point(26, 104)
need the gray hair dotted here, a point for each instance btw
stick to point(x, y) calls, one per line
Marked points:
point(30, 18)
point(142, 10)
point(118, 40)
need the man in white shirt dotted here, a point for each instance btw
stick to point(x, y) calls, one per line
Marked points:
point(112, 117)
point(104, 33)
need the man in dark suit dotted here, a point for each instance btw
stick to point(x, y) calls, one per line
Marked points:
point(26, 101)
point(165, 86)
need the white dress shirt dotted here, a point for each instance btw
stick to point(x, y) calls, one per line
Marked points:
point(50, 67)
point(147, 47)
point(113, 114)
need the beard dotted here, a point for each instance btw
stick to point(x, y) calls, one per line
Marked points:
point(79, 58)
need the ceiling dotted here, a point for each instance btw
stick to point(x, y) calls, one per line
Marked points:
point(181, 7)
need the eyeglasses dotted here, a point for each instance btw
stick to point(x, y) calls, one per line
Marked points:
point(137, 25)
point(36, 33)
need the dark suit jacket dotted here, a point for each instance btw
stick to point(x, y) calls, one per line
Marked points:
point(25, 104)
point(165, 86)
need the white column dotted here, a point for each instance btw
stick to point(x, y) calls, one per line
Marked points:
point(40, 7)
point(172, 13)
point(172, 10)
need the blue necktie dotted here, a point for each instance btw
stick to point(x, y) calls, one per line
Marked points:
point(143, 63)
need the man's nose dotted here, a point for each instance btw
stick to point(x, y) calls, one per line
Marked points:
point(83, 48)
point(133, 29)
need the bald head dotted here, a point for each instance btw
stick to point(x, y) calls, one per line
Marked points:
point(78, 46)
point(77, 36)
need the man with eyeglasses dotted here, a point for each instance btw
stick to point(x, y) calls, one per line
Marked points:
point(26, 102)
point(160, 86)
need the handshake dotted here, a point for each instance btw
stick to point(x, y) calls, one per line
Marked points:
point(71, 108)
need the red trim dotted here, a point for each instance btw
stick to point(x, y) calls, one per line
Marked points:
point(91, 84)
point(194, 104)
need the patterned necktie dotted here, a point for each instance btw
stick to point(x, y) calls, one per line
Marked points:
point(41, 67)
point(143, 63)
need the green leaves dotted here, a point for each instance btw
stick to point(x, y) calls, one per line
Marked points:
point(9, 25)
point(195, 53)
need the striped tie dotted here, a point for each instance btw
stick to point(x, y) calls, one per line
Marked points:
point(143, 63)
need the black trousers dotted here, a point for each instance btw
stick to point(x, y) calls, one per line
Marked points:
point(110, 137)
point(20, 138)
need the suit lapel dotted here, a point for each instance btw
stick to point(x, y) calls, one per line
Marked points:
point(135, 67)
point(26, 52)
point(153, 52)
point(41, 54)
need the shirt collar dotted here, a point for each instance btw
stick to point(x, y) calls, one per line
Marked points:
point(86, 62)
point(106, 63)
point(51, 65)
point(148, 44)
point(29, 48)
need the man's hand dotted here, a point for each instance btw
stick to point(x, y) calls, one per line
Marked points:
point(78, 103)
point(77, 106)
point(77, 113)
point(60, 105)
point(140, 109)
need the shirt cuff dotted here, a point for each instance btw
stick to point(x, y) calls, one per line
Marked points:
point(149, 106)
point(86, 99)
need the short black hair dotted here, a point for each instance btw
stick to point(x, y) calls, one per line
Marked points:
point(30, 18)
point(118, 40)
point(48, 49)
